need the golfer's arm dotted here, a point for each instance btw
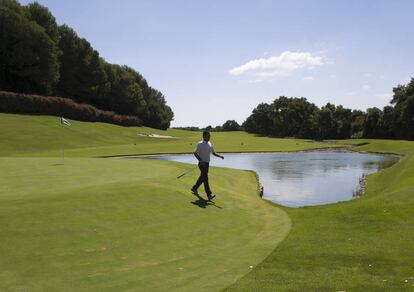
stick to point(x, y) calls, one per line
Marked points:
point(218, 155)
point(197, 156)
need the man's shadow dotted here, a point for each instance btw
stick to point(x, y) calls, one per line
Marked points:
point(203, 203)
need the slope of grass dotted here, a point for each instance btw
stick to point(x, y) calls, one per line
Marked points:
point(361, 245)
point(110, 224)
point(44, 136)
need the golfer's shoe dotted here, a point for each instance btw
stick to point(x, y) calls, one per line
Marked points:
point(194, 191)
point(211, 196)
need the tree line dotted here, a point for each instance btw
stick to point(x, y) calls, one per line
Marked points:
point(297, 117)
point(229, 125)
point(37, 56)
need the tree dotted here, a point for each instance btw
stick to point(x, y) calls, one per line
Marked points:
point(38, 56)
point(82, 73)
point(231, 125)
point(259, 121)
point(324, 123)
point(42, 16)
point(357, 123)
point(403, 101)
point(122, 93)
point(387, 122)
point(372, 126)
point(292, 117)
point(342, 117)
point(160, 113)
point(28, 56)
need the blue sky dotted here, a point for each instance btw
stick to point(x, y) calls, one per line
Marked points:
point(216, 60)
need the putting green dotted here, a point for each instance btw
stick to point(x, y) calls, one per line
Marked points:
point(128, 224)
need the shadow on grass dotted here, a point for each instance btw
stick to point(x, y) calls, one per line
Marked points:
point(202, 203)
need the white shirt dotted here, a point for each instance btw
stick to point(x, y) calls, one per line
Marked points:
point(204, 149)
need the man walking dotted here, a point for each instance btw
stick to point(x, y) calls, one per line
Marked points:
point(202, 153)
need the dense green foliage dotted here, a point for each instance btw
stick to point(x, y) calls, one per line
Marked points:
point(28, 56)
point(297, 117)
point(229, 125)
point(40, 57)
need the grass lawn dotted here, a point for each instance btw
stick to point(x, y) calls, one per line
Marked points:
point(111, 224)
point(361, 245)
point(44, 136)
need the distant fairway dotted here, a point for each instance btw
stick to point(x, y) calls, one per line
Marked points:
point(44, 136)
point(117, 224)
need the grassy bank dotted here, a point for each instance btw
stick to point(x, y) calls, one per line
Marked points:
point(44, 136)
point(361, 245)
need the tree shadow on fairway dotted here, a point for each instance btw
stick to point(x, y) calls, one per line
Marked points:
point(202, 203)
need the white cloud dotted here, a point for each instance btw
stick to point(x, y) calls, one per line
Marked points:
point(283, 65)
point(366, 87)
point(308, 78)
point(333, 76)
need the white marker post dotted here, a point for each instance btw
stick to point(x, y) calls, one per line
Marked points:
point(64, 122)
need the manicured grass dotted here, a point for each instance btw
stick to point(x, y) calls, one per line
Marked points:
point(44, 136)
point(126, 224)
point(361, 245)
point(111, 224)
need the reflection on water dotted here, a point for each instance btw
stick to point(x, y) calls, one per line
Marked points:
point(301, 178)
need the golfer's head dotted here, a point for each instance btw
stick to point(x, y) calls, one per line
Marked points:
point(206, 136)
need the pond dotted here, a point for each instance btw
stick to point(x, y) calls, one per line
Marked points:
point(298, 179)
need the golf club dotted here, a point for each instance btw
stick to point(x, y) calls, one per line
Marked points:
point(188, 171)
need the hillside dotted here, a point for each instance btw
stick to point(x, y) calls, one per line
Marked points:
point(45, 136)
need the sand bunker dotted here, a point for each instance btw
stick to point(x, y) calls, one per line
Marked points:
point(157, 136)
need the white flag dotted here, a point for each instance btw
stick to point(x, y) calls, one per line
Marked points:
point(64, 121)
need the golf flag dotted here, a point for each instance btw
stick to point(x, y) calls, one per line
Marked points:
point(64, 121)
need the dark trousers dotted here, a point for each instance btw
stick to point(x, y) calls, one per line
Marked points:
point(203, 166)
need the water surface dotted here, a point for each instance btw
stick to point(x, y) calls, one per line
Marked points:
point(300, 178)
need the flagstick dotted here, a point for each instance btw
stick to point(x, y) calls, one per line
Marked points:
point(63, 147)
point(63, 122)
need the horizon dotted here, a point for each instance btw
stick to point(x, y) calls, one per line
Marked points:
point(226, 58)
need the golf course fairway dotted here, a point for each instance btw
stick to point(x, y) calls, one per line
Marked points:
point(94, 224)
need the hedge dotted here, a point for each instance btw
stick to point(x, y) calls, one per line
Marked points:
point(18, 103)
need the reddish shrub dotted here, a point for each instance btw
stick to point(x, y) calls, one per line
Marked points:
point(18, 103)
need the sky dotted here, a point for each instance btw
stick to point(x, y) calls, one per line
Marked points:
point(217, 60)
